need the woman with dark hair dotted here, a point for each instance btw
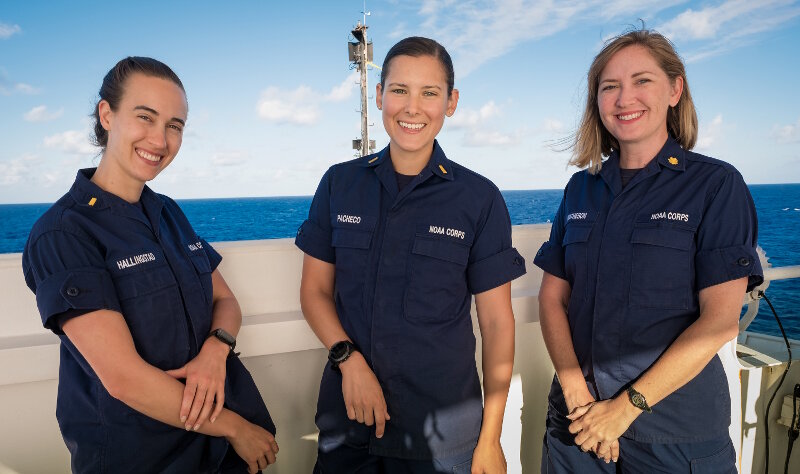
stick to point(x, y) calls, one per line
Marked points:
point(139, 305)
point(649, 256)
point(396, 243)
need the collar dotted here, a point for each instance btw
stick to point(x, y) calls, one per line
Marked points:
point(88, 194)
point(671, 156)
point(438, 163)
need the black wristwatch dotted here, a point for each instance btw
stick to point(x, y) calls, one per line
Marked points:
point(340, 352)
point(638, 400)
point(225, 337)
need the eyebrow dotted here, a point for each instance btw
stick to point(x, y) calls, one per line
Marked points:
point(155, 112)
point(400, 84)
point(635, 74)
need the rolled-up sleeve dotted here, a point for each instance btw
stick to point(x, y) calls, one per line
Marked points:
point(550, 256)
point(493, 261)
point(67, 274)
point(727, 237)
point(314, 235)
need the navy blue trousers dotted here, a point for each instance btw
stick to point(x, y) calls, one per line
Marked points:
point(560, 455)
point(357, 460)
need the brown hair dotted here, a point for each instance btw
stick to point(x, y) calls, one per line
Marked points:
point(416, 46)
point(113, 87)
point(592, 141)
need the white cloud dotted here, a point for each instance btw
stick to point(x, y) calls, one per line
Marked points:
point(476, 31)
point(298, 106)
point(301, 106)
point(41, 114)
point(480, 138)
point(468, 118)
point(552, 125)
point(8, 87)
point(787, 133)
point(7, 31)
point(15, 170)
point(72, 141)
point(709, 134)
point(344, 90)
point(729, 25)
point(231, 158)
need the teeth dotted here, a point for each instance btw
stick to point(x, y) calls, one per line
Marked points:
point(631, 116)
point(148, 156)
point(412, 126)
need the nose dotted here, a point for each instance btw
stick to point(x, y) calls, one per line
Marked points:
point(412, 105)
point(158, 137)
point(625, 96)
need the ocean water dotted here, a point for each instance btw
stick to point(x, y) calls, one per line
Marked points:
point(778, 208)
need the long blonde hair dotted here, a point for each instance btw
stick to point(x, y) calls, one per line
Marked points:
point(592, 141)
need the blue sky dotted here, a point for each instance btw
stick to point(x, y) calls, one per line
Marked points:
point(273, 101)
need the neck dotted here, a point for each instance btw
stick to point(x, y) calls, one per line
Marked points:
point(637, 155)
point(410, 163)
point(117, 183)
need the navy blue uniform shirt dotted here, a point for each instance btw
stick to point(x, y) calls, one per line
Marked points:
point(406, 265)
point(92, 250)
point(636, 259)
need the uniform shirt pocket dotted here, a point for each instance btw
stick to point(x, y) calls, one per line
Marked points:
point(661, 270)
point(152, 306)
point(576, 257)
point(202, 266)
point(437, 281)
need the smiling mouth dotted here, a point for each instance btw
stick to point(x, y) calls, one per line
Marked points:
point(412, 126)
point(148, 156)
point(630, 116)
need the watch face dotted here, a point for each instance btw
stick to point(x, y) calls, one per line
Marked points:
point(339, 350)
point(638, 399)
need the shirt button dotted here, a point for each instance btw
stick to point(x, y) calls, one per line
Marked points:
point(744, 261)
point(72, 291)
point(539, 253)
point(517, 261)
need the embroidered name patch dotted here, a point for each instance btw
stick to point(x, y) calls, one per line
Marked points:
point(577, 216)
point(348, 219)
point(135, 260)
point(671, 216)
point(195, 246)
point(458, 234)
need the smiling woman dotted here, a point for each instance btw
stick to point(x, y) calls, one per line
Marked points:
point(407, 236)
point(649, 255)
point(146, 321)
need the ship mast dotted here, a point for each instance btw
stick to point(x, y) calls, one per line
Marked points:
point(360, 53)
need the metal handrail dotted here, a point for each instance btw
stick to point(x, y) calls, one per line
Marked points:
point(752, 299)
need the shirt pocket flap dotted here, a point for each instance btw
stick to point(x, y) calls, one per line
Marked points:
point(441, 249)
point(144, 282)
point(674, 238)
point(576, 233)
point(351, 238)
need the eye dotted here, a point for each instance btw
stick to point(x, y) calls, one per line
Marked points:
point(430, 93)
point(398, 91)
point(608, 87)
point(175, 127)
point(643, 80)
point(145, 117)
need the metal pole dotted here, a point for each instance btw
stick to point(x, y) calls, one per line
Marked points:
point(362, 65)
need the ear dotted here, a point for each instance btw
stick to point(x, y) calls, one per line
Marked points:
point(105, 113)
point(452, 103)
point(677, 90)
point(379, 96)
